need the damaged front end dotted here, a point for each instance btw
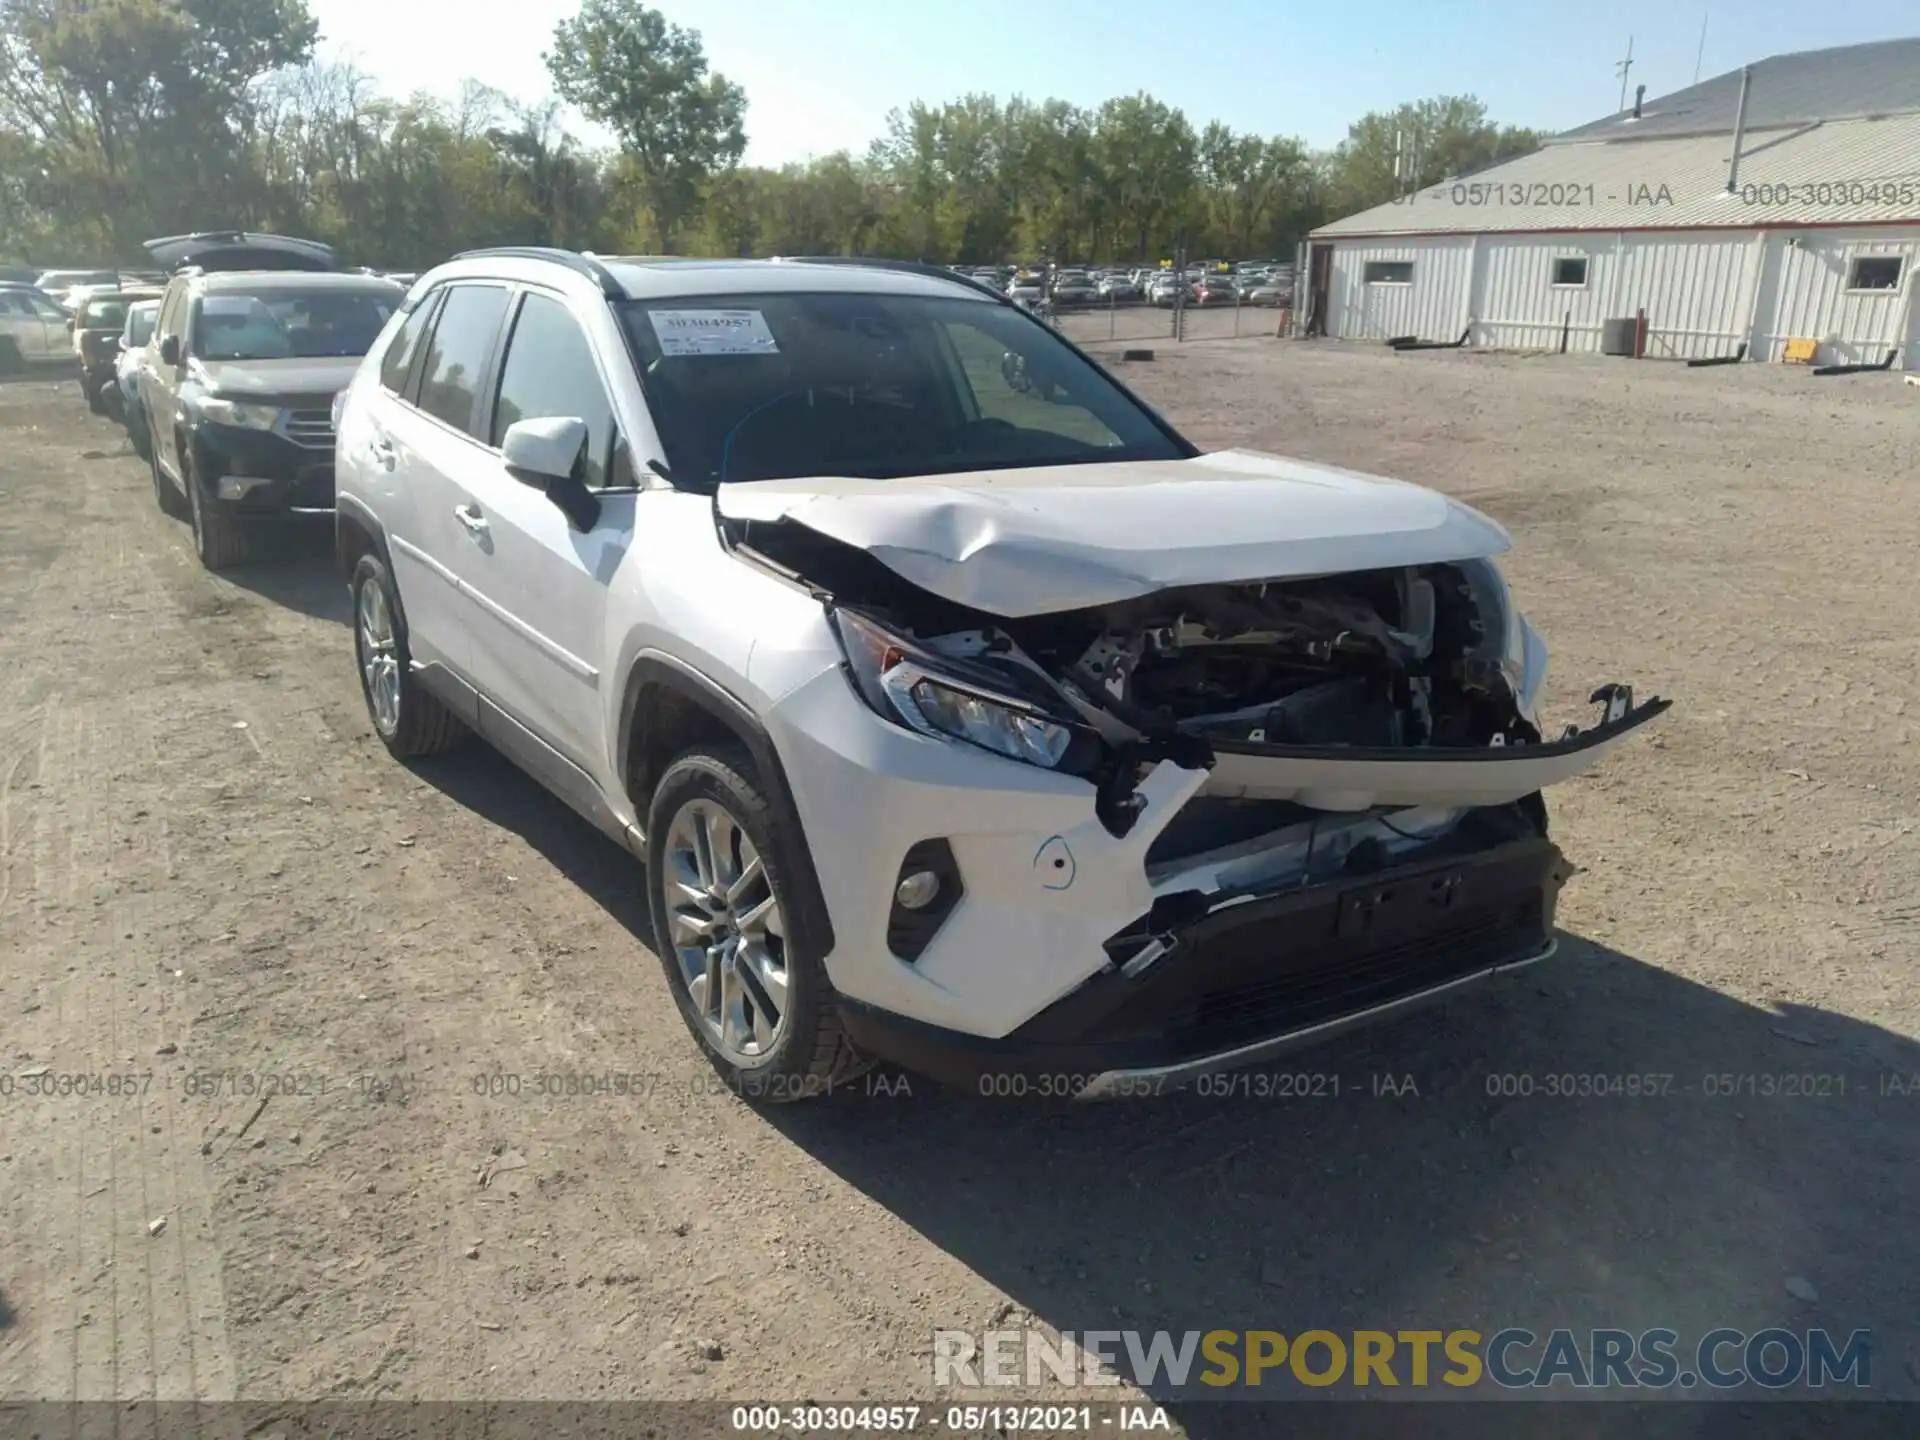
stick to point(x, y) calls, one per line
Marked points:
point(1360, 761)
point(1383, 689)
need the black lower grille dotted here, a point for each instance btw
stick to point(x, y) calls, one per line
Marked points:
point(1286, 962)
point(312, 491)
point(1306, 997)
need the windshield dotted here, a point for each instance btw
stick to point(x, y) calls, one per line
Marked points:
point(761, 387)
point(282, 324)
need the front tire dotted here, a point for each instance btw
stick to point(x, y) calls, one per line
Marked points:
point(748, 986)
point(221, 541)
point(409, 720)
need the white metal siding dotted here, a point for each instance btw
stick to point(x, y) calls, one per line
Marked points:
point(1813, 301)
point(1518, 307)
point(1692, 287)
point(1705, 291)
point(1433, 307)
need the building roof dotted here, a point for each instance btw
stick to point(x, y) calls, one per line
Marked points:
point(1849, 82)
point(1845, 172)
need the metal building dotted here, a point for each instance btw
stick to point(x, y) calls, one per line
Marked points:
point(1770, 204)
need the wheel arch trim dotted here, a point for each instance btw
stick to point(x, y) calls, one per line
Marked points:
point(808, 905)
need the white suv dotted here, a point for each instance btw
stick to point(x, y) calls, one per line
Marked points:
point(965, 715)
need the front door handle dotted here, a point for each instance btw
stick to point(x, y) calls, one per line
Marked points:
point(470, 516)
point(383, 452)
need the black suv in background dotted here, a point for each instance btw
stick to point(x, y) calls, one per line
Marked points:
point(239, 395)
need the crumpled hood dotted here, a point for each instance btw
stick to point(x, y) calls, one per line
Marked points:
point(272, 379)
point(1039, 540)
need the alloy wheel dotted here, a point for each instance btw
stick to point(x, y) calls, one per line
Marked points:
point(379, 656)
point(728, 933)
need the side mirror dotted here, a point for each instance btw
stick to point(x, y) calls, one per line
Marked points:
point(170, 350)
point(546, 453)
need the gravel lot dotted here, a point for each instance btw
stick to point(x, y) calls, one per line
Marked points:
point(210, 872)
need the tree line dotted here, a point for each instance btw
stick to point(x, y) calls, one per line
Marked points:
point(125, 119)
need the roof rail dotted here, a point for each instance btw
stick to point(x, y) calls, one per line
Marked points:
point(909, 267)
point(580, 264)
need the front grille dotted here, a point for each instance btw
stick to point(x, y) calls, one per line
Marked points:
point(312, 428)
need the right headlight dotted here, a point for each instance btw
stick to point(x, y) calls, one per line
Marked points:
point(937, 696)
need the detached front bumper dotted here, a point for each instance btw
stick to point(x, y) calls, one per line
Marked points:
point(1246, 982)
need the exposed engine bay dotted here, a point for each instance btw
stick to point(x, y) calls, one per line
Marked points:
point(1380, 659)
point(1407, 657)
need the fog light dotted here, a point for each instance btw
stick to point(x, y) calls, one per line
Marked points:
point(918, 890)
point(238, 487)
point(926, 889)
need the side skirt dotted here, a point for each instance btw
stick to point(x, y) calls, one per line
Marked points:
point(559, 775)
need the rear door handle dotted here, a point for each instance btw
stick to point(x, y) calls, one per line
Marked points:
point(470, 516)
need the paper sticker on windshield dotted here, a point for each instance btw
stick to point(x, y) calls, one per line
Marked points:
point(712, 332)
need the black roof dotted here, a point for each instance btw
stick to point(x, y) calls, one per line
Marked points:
point(1849, 82)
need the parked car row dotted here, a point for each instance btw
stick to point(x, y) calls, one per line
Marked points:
point(225, 378)
point(1206, 283)
point(645, 529)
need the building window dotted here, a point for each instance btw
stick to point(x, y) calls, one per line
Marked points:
point(1570, 270)
point(1875, 272)
point(1389, 272)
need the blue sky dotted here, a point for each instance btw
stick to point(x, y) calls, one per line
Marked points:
point(822, 75)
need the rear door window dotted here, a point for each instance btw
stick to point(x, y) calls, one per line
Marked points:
point(396, 366)
point(459, 353)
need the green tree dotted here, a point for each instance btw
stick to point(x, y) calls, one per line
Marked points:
point(623, 65)
point(1389, 153)
point(133, 110)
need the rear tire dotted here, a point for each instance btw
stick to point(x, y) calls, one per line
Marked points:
point(221, 541)
point(95, 402)
point(715, 790)
point(410, 721)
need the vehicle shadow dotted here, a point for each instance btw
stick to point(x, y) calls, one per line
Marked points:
point(484, 781)
point(1596, 1143)
point(293, 566)
point(1427, 1175)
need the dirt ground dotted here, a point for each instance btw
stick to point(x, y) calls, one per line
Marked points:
point(211, 873)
